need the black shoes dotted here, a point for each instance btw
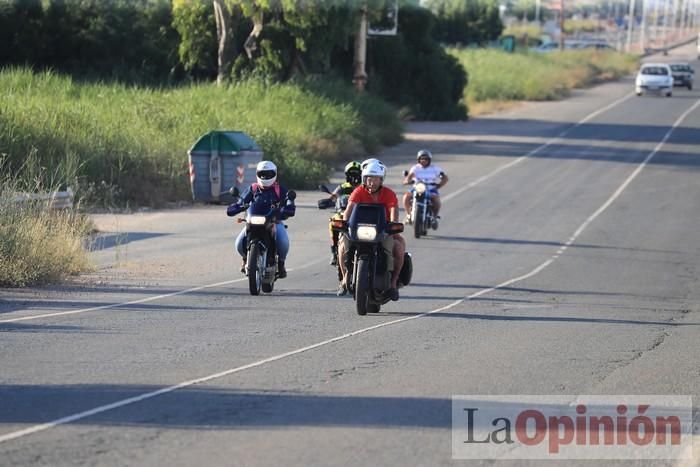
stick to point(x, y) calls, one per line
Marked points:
point(281, 271)
point(394, 294)
point(243, 267)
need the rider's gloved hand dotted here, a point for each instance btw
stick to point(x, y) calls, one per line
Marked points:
point(233, 209)
point(288, 211)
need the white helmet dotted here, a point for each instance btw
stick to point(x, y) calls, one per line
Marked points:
point(266, 173)
point(424, 153)
point(374, 169)
point(366, 162)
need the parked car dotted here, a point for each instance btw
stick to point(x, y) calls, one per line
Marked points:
point(546, 47)
point(683, 74)
point(598, 45)
point(654, 77)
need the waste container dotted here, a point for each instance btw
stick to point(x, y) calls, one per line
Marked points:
point(220, 160)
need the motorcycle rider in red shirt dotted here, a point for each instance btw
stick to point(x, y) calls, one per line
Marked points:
point(372, 191)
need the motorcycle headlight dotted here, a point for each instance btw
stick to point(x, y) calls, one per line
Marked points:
point(256, 220)
point(366, 232)
point(420, 188)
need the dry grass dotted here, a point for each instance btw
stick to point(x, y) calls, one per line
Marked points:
point(38, 245)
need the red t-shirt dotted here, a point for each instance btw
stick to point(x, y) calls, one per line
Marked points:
point(385, 196)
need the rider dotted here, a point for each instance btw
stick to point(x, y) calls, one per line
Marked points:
point(353, 177)
point(266, 190)
point(427, 172)
point(372, 191)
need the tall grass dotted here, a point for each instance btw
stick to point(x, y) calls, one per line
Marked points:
point(126, 144)
point(495, 75)
point(38, 245)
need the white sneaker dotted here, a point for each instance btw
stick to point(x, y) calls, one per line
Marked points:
point(407, 220)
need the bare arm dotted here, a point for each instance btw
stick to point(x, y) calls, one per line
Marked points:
point(348, 210)
point(443, 180)
point(394, 214)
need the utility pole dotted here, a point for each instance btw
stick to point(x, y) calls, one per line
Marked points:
point(665, 33)
point(360, 75)
point(655, 24)
point(643, 26)
point(561, 25)
point(630, 25)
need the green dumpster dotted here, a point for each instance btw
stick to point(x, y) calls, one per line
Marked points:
point(220, 160)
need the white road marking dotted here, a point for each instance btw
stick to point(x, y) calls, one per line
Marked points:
point(557, 139)
point(142, 300)
point(537, 270)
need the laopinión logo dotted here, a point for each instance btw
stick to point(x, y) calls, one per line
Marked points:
point(571, 427)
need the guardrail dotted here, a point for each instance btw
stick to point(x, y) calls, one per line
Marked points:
point(54, 199)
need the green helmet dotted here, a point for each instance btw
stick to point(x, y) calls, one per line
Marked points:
point(353, 173)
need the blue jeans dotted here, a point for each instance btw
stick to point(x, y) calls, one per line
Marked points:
point(281, 240)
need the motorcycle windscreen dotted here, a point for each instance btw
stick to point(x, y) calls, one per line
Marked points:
point(368, 214)
point(260, 208)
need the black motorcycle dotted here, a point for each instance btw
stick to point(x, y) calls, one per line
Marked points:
point(422, 215)
point(340, 203)
point(369, 279)
point(261, 263)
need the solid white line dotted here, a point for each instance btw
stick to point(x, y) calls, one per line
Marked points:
point(142, 300)
point(537, 270)
point(555, 140)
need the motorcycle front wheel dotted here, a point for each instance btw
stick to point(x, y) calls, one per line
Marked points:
point(418, 222)
point(362, 287)
point(256, 267)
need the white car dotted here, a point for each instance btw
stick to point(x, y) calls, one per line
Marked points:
point(654, 77)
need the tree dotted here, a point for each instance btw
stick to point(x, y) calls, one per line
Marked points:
point(466, 21)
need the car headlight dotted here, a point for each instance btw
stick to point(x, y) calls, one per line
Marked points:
point(256, 220)
point(420, 188)
point(366, 232)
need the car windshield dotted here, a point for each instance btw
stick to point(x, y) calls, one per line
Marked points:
point(680, 67)
point(654, 70)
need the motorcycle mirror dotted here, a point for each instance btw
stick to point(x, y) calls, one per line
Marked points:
point(233, 191)
point(405, 173)
point(324, 189)
point(291, 195)
point(325, 203)
point(394, 228)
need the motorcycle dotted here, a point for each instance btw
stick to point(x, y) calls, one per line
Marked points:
point(369, 279)
point(422, 215)
point(261, 224)
point(340, 203)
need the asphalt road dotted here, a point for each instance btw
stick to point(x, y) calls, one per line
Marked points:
point(567, 263)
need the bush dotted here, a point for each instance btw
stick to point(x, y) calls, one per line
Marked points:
point(412, 70)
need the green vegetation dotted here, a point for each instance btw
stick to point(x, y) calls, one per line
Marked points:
point(495, 75)
point(117, 144)
point(38, 245)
